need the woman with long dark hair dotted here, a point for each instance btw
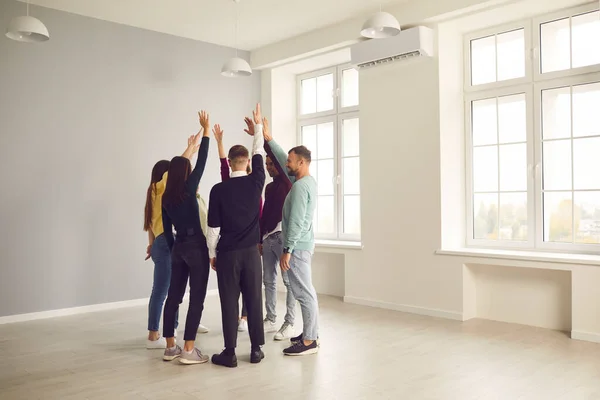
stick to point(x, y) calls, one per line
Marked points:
point(189, 252)
point(157, 246)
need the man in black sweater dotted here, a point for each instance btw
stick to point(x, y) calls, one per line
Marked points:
point(233, 214)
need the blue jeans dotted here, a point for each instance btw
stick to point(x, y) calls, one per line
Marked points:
point(300, 275)
point(272, 250)
point(162, 278)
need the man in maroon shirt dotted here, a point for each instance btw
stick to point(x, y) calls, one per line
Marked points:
point(271, 246)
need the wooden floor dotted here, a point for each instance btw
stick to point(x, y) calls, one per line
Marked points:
point(365, 353)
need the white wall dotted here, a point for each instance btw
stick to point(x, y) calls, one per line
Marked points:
point(83, 119)
point(412, 177)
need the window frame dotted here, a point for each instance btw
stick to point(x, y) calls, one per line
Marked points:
point(310, 75)
point(483, 95)
point(336, 116)
point(532, 85)
point(536, 43)
point(505, 28)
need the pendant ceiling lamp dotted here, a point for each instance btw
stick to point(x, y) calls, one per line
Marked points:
point(380, 26)
point(236, 66)
point(27, 29)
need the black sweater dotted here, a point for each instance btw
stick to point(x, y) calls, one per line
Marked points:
point(186, 215)
point(234, 207)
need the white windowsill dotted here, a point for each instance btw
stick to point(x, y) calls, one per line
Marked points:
point(337, 244)
point(519, 255)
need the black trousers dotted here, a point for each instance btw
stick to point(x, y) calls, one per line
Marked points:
point(189, 258)
point(240, 271)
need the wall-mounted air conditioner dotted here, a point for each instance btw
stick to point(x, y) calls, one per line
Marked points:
point(413, 42)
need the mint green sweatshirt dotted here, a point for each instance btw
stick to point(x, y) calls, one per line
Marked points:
point(298, 208)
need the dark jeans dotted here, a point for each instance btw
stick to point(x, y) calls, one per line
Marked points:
point(189, 259)
point(240, 271)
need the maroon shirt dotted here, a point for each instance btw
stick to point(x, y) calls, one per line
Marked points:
point(275, 194)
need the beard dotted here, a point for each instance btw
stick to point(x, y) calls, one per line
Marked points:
point(291, 172)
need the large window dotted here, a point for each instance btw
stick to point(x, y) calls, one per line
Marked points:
point(533, 131)
point(328, 125)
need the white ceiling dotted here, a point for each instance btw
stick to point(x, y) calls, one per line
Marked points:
point(261, 22)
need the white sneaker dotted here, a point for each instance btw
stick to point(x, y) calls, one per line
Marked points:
point(159, 343)
point(203, 329)
point(269, 326)
point(242, 325)
point(285, 332)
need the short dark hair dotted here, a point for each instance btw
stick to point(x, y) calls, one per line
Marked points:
point(237, 152)
point(301, 151)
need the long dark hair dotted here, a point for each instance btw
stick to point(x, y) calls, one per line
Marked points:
point(158, 171)
point(179, 170)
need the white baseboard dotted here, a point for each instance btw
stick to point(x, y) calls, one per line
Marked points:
point(9, 319)
point(431, 312)
point(585, 336)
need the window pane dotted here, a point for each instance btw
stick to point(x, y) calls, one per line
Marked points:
point(485, 125)
point(556, 113)
point(312, 169)
point(309, 96)
point(513, 167)
point(485, 169)
point(325, 177)
point(586, 163)
point(586, 109)
point(325, 93)
point(351, 175)
point(558, 222)
point(587, 217)
point(483, 60)
point(350, 138)
point(556, 45)
point(586, 36)
point(513, 216)
point(325, 217)
point(485, 216)
point(309, 139)
point(511, 55)
point(325, 140)
point(512, 119)
point(349, 87)
point(352, 215)
point(557, 165)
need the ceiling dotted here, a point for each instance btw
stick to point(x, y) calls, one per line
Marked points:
point(261, 22)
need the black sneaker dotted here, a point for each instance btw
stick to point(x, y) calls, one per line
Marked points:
point(300, 349)
point(256, 356)
point(300, 338)
point(225, 360)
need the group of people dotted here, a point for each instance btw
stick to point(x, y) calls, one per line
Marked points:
point(242, 239)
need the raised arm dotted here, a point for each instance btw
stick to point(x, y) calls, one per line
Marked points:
point(255, 129)
point(194, 179)
point(192, 147)
point(222, 155)
point(168, 228)
point(278, 166)
point(280, 156)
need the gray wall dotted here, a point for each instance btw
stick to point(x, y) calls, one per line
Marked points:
point(83, 118)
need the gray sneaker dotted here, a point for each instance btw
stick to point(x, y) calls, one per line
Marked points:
point(195, 357)
point(171, 354)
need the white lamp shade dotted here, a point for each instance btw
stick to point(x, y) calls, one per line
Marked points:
point(236, 67)
point(27, 29)
point(381, 25)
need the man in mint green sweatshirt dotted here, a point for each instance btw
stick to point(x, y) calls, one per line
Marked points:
point(299, 243)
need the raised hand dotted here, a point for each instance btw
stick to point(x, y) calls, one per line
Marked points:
point(257, 114)
point(250, 124)
point(266, 130)
point(218, 134)
point(204, 120)
point(217, 131)
point(194, 143)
